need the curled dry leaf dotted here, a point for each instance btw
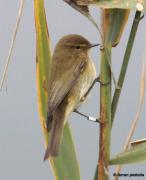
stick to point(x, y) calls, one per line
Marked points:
point(121, 4)
point(85, 2)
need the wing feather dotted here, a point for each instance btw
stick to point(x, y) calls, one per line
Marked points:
point(62, 81)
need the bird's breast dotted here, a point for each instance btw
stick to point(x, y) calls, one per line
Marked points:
point(87, 78)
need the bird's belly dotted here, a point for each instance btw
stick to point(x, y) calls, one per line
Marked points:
point(87, 78)
point(83, 83)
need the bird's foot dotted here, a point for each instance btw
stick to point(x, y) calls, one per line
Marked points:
point(140, 18)
point(98, 79)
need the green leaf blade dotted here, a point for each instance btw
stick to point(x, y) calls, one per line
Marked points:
point(65, 165)
point(136, 154)
point(116, 24)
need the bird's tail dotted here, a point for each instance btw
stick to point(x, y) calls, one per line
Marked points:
point(49, 121)
point(56, 134)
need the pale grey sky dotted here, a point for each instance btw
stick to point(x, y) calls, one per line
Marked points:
point(21, 140)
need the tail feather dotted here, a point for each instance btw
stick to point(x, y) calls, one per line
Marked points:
point(49, 121)
point(56, 135)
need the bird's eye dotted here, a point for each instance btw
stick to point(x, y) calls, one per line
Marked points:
point(78, 47)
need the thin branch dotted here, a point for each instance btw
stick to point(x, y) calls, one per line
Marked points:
point(125, 63)
point(21, 7)
point(137, 117)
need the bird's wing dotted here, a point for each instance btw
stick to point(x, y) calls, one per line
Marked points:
point(62, 81)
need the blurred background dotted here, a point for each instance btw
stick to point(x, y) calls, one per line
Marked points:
point(21, 140)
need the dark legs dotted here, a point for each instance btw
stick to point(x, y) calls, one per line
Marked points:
point(89, 118)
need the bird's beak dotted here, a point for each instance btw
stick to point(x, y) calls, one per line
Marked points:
point(93, 45)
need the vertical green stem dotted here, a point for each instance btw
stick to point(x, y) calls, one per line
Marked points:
point(105, 115)
point(105, 99)
point(113, 23)
point(125, 63)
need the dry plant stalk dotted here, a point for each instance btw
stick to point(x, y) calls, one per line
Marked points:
point(140, 106)
point(20, 12)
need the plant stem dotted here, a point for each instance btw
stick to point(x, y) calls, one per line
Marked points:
point(105, 103)
point(105, 100)
point(125, 63)
point(16, 28)
point(105, 115)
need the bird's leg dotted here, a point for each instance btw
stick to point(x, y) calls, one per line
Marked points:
point(92, 85)
point(89, 118)
point(139, 19)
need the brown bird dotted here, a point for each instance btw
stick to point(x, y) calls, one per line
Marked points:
point(72, 74)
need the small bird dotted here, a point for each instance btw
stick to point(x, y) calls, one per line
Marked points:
point(72, 74)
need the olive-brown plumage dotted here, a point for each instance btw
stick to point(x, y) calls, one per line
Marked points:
point(72, 73)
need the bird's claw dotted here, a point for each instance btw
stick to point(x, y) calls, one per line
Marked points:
point(140, 18)
point(102, 83)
